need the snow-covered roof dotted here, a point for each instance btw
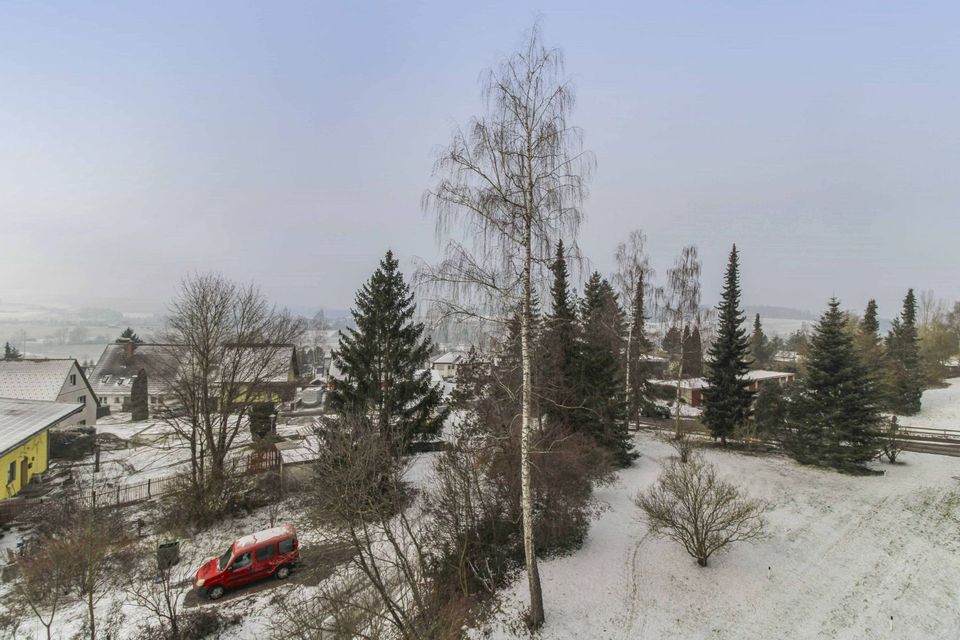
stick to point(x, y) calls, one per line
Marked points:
point(33, 379)
point(701, 383)
point(686, 383)
point(762, 374)
point(450, 357)
point(22, 419)
point(299, 451)
point(120, 363)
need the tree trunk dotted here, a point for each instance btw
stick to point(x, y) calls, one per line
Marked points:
point(529, 549)
point(626, 385)
point(677, 400)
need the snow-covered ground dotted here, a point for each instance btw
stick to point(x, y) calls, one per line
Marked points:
point(845, 554)
point(940, 408)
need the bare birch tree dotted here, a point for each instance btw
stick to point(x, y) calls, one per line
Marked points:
point(681, 308)
point(633, 272)
point(512, 183)
point(228, 349)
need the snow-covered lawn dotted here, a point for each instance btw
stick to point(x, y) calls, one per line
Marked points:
point(845, 554)
point(940, 408)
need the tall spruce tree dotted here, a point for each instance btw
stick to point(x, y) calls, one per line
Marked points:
point(10, 352)
point(599, 380)
point(639, 348)
point(692, 352)
point(559, 345)
point(759, 346)
point(869, 345)
point(382, 360)
point(131, 335)
point(838, 418)
point(726, 399)
point(905, 375)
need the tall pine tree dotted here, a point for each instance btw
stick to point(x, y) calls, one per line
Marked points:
point(10, 352)
point(382, 360)
point(559, 345)
point(692, 352)
point(838, 418)
point(759, 346)
point(869, 345)
point(638, 347)
point(599, 380)
point(905, 376)
point(726, 399)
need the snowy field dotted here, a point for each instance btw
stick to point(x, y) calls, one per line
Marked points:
point(940, 408)
point(845, 554)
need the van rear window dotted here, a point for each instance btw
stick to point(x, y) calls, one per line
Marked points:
point(286, 546)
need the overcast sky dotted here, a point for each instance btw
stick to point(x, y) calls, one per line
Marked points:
point(290, 143)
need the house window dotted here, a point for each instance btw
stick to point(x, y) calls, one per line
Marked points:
point(73, 379)
point(82, 399)
point(82, 423)
point(12, 473)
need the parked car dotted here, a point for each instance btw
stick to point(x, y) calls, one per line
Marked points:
point(656, 411)
point(272, 552)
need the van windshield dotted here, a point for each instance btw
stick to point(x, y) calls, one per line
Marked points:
point(224, 559)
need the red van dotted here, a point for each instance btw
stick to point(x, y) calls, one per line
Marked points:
point(271, 552)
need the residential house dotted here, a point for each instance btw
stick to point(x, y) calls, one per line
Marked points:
point(120, 364)
point(448, 364)
point(691, 389)
point(50, 380)
point(24, 441)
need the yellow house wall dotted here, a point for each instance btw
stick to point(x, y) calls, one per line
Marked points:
point(35, 450)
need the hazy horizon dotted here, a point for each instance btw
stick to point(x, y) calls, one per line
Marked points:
point(291, 145)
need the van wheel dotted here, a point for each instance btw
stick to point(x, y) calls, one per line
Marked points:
point(215, 592)
point(282, 572)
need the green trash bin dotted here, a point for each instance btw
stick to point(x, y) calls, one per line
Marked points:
point(168, 554)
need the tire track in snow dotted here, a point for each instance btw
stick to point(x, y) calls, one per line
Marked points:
point(634, 597)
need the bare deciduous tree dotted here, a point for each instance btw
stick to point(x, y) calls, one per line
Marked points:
point(360, 505)
point(691, 505)
point(513, 182)
point(683, 445)
point(681, 308)
point(44, 578)
point(160, 592)
point(633, 271)
point(891, 440)
point(227, 349)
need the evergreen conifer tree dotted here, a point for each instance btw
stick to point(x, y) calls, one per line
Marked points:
point(10, 352)
point(130, 334)
point(692, 352)
point(838, 419)
point(869, 345)
point(382, 360)
point(599, 380)
point(759, 346)
point(905, 377)
point(639, 347)
point(726, 398)
point(559, 344)
point(139, 406)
